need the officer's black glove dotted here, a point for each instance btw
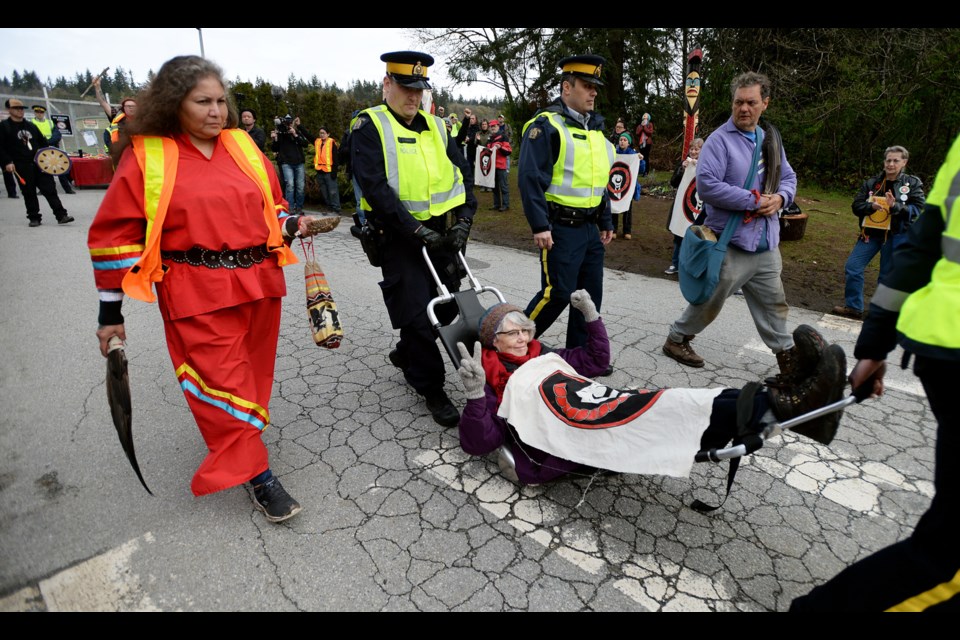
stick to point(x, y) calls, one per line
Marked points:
point(430, 238)
point(458, 234)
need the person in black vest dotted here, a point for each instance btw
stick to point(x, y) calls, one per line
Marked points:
point(248, 122)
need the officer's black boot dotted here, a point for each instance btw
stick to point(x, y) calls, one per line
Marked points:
point(442, 410)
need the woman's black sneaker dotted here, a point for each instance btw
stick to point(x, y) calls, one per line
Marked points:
point(274, 501)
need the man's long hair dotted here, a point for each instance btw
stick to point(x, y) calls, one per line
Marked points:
point(158, 106)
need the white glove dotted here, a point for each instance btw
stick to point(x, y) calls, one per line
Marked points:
point(581, 301)
point(471, 371)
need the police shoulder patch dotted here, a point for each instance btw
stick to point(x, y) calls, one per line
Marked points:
point(360, 122)
point(534, 133)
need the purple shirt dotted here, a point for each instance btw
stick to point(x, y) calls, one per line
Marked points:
point(721, 171)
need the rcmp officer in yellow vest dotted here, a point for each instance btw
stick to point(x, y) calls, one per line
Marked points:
point(417, 189)
point(53, 135)
point(918, 304)
point(565, 161)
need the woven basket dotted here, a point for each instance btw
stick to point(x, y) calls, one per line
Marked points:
point(792, 227)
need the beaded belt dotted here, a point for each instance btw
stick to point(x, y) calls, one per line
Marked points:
point(228, 258)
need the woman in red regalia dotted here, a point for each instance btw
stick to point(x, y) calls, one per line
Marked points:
point(196, 208)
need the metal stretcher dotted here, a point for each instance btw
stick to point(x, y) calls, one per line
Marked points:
point(464, 328)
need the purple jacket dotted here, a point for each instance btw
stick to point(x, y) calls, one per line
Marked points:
point(721, 170)
point(482, 431)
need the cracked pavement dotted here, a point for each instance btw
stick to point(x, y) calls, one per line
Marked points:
point(396, 517)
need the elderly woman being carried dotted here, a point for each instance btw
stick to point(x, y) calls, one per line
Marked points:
point(549, 418)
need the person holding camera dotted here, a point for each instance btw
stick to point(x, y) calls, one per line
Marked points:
point(290, 140)
point(418, 192)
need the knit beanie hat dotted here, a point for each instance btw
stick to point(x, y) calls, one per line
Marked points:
point(627, 136)
point(490, 320)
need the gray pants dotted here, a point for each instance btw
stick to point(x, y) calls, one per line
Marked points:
point(758, 274)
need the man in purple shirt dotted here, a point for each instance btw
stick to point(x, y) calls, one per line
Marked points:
point(752, 262)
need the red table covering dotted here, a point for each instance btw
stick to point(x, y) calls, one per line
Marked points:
point(92, 171)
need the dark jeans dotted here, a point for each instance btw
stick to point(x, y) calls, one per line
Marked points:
point(575, 262)
point(329, 189)
point(675, 258)
point(645, 163)
point(627, 221)
point(10, 183)
point(38, 180)
point(501, 190)
point(861, 255)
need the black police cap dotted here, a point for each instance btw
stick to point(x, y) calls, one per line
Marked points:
point(587, 67)
point(409, 68)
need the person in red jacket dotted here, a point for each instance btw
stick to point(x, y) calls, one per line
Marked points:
point(501, 187)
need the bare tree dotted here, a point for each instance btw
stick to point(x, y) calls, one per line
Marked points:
point(509, 60)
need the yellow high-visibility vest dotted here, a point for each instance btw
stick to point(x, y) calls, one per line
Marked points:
point(931, 315)
point(418, 169)
point(46, 127)
point(582, 169)
point(114, 127)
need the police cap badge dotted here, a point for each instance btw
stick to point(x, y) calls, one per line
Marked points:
point(409, 68)
point(587, 67)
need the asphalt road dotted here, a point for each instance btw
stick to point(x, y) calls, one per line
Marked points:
point(396, 517)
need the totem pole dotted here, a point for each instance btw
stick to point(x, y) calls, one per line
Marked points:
point(687, 204)
point(691, 105)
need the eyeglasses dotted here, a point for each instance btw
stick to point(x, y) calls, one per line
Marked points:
point(514, 333)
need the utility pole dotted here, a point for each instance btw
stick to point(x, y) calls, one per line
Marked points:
point(200, 32)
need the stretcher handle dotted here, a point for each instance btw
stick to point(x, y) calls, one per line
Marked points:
point(441, 288)
point(444, 294)
point(716, 455)
point(749, 445)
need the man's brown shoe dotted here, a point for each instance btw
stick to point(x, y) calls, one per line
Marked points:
point(682, 352)
point(847, 312)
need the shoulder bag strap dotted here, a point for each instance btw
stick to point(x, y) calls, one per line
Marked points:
point(731, 227)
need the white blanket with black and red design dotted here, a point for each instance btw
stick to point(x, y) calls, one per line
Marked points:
point(558, 411)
